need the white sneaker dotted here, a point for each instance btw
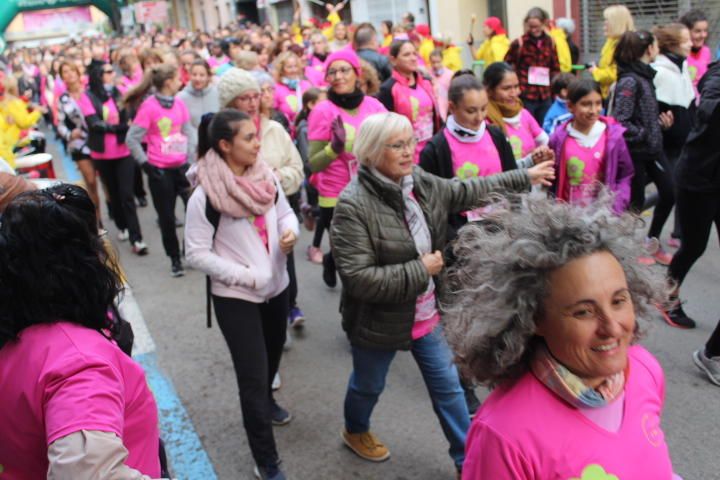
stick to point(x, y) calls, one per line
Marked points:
point(139, 248)
point(709, 365)
point(123, 235)
point(276, 383)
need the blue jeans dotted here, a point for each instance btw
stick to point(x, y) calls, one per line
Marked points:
point(434, 358)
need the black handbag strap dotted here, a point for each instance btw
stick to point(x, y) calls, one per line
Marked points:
point(213, 217)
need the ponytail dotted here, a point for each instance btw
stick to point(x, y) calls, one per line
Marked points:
point(214, 127)
point(154, 77)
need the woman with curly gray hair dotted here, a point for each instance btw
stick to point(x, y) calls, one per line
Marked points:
point(388, 227)
point(544, 308)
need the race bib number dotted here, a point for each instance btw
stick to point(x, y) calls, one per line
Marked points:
point(424, 127)
point(539, 76)
point(176, 143)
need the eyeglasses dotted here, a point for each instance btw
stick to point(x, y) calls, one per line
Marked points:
point(106, 72)
point(343, 70)
point(400, 147)
point(249, 98)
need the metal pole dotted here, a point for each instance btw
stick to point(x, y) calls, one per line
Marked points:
point(586, 29)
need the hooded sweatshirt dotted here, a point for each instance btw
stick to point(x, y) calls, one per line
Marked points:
point(198, 103)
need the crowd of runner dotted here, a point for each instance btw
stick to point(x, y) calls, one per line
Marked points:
point(518, 183)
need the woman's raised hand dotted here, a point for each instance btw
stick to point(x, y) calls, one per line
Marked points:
point(542, 173)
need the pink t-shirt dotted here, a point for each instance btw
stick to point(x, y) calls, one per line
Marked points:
point(479, 159)
point(288, 101)
point(522, 134)
point(422, 119)
point(316, 75)
point(167, 145)
point(584, 170)
point(61, 378)
point(698, 64)
point(441, 83)
point(110, 115)
point(525, 431)
point(331, 181)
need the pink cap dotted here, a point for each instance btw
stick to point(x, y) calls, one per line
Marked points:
point(345, 54)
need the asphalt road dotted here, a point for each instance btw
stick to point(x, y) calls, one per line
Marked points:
point(316, 368)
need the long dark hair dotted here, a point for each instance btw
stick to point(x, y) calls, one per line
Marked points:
point(53, 264)
point(632, 46)
point(495, 74)
point(222, 125)
point(95, 82)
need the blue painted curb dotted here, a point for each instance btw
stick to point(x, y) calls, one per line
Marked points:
point(186, 455)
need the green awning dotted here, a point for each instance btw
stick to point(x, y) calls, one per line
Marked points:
point(10, 8)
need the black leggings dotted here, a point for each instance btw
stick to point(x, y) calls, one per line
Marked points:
point(657, 170)
point(326, 215)
point(117, 175)
point(165, 189)
point(255, 334)
point(697, 212)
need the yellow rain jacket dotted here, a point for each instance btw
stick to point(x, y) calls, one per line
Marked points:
point(15, 119)
point(329, 31)
point(606, 71)
point(493, 49)
point(452, 59)
point(562, 48)
point(426, 48)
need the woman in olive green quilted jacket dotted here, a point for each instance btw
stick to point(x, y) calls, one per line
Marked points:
point(388, 229)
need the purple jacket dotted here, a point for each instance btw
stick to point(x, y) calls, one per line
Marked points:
point(618, 164)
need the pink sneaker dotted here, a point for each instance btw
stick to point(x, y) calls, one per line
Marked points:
point(643, 260)
point(662, 257)
point(315, 255)
point(673, 242)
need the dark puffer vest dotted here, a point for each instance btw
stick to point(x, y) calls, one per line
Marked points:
point(375, 254)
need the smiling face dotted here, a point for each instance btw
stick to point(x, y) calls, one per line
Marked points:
point(342, 77)
point(535, 27)
point(398, 156)
point(586, 111)
point(588, 320)
point(199, 77)
point(683, 49)
point(699, 33)
point(471, 110)
point(507, 91)
point(291, 68)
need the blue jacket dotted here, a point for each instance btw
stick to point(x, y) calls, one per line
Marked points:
point(557, 114)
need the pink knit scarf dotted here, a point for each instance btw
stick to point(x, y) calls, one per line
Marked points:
point(253, 193)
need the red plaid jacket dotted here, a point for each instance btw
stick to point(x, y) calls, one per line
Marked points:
point(527, 52)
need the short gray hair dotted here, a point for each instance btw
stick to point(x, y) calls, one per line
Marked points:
point(497, 287)
point(374, 132)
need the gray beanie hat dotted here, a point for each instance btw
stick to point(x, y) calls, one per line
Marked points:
point(234, 83)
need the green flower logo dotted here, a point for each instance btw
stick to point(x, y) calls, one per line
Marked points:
point(106, 113)
point(692, 70)
point(575, 171)
point(350, 133)
point(595, 472)
point(468, 170)
point(165, 125)
point(292, 100)
point(415, 105)
point(516, 145)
